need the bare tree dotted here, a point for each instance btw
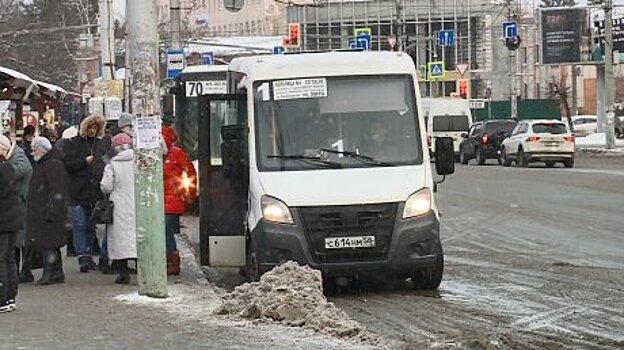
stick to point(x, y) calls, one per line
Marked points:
point(558, 89)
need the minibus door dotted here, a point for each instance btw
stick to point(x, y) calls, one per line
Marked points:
point(223, 178)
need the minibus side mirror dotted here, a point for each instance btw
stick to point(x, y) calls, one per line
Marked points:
point(444, 155)
point(232, 150)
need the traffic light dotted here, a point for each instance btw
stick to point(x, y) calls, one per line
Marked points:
point(294, 34)
point(463, 88)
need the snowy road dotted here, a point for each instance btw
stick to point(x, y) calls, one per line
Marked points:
point(534, 260)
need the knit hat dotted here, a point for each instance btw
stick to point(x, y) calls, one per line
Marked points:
point(125, 119)
point(5, 143)
point(122, 139)
point(41, 143)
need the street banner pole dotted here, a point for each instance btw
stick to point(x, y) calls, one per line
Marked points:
point(150, 222)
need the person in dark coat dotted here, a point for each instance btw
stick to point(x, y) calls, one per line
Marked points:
point(27, 137)
point(23, 173)
point(47, 209)
point(10, 223)
point(85, 167)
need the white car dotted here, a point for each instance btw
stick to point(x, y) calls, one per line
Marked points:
point(548, 141)
point(584, 124)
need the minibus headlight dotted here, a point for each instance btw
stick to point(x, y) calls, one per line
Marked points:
point(275, 210)
point(418, 203)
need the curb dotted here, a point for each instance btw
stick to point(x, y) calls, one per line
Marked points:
point(598, 152)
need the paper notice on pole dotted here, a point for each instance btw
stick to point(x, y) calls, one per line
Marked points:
point(300, 88)
point(147, 132)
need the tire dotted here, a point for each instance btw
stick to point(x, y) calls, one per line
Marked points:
point(550, 163)
point(462, 157)
point(568, 163)
point(521, 159)
point(480, 158)
point(252, 268)
point(430, 279)
point(504, 159)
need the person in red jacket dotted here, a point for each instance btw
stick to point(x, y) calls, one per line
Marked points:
point(179, 181)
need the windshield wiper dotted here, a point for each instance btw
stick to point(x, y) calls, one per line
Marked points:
point(361, 157)
point(310, 159)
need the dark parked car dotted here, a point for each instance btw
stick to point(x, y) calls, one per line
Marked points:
point(483, 140)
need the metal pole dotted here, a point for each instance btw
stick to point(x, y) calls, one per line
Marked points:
point(107, 39)
point(512, 72)
point(574, 91)
point(609, 82)
point(399, 25)
point(142, 43)
point(175, 24)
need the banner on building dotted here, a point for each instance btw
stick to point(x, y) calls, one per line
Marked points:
point(565, 36)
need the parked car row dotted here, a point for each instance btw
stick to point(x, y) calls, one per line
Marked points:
point(522, 143)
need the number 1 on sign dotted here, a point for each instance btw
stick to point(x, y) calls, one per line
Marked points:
point(264, 90)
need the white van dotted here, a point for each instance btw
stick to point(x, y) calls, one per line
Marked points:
point(447, 117)
point(322, 160)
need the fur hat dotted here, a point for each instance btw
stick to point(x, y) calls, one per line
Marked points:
point(93, 119)
point(122, 139)
point(5, 143)
point(41, 143)
point(125, 119)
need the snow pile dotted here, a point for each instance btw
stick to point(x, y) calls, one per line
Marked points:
point(596, 139)
point(292, 295)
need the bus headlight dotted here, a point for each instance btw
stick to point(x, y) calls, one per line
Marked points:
point(275, 210)
point(418, 203)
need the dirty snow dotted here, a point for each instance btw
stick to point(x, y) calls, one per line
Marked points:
point(292, 295)
point(596, 139)
point(195, 299)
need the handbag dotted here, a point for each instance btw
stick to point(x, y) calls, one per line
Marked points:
point(103, 210)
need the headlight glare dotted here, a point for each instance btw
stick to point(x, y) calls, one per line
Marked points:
point(418, 203)
point(275, 210)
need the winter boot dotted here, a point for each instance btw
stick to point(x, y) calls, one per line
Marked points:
point(104, 266)
point(173, 262)
point(122, 269)
point(49, 268)
point(85, 264)
point(59, 275)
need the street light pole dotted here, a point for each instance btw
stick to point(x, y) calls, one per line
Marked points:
point(142, 45)
point(175, 24)
point(609, 82)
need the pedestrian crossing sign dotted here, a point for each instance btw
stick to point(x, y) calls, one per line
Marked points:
point(437, 70)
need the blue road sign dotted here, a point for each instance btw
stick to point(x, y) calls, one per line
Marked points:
point(361, 42)
point(436, 70)
point(175, 62)
point(208, 57)
point(278, 50)
point(510, 29)
point(364, 42)
point(446, 37)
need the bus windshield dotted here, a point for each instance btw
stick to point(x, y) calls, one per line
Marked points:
point(337, 122)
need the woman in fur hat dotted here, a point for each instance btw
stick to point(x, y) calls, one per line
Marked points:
point(85, 166)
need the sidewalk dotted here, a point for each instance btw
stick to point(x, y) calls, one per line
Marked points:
point(90, 311)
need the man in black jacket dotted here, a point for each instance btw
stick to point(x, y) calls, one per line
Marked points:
point(85, 167)
point(10, 222)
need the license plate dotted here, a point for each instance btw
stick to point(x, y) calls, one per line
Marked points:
point(551, 144)
point(350, 242)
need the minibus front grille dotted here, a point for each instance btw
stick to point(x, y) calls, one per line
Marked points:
point(349, 221)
